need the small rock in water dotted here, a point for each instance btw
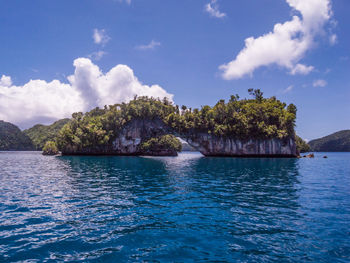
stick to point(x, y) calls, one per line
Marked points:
point(325, 156)
point(311, 155)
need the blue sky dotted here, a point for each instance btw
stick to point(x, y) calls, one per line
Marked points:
point(175, 48)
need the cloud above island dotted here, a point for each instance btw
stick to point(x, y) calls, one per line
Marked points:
point(152, 45)
point(286, 45)
point(319, 83)
point(212, 8)
point(39, 101)
point(126, 1)
point(100, 36)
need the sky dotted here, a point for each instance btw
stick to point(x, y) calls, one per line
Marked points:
point(61, 56)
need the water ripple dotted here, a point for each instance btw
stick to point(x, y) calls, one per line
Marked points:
point(187, 208)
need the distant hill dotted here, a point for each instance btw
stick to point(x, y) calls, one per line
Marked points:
point(40, 134)
point(13, 139)
point(336, 142)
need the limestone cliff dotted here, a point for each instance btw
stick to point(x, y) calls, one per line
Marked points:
point(210, 145)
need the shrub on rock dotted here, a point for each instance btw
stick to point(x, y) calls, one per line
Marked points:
point(166, 145)
point(50, 148)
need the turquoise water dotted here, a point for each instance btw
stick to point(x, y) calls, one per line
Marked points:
point(187, 208)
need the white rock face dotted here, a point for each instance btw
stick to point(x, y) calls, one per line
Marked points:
point(210, 145)
point(129, 139)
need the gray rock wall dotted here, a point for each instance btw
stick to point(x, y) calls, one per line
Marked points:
point(210, 145)
point(131, 136)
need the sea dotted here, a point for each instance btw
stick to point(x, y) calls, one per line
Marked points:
point(188, 208)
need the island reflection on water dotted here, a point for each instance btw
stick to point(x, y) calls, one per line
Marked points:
point(173, 208)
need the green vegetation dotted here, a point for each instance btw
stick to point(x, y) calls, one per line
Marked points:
point(257, 118)
point(50, 148)
point(336, 142)
point(40, 134)
point(302, 146)
point(162, 143)
point(13, 139)
point(100, 126)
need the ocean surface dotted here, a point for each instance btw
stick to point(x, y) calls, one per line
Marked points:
point(174, 209)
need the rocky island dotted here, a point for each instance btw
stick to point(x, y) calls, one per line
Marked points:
point(262, 127)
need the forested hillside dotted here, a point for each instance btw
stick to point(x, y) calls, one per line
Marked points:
point(336, 142)
point(40, 134)
point(13, 139)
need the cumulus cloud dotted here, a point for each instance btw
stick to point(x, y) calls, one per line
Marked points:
point(286, 45)
point(5, 81)
point(152, 45)
point(39, 101)
point(212, 9)
point(319, 83)
point(100, 36)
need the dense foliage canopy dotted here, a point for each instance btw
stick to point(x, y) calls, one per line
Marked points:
point(40, 134)
point(336, 142)
point(13, 139)
point(257, 118)
point(302, 146)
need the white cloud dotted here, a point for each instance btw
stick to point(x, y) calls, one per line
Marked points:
point(126, 1)
point(97, 55)
point(39, 101)
point(301, 69)
point(333, 39)
point(286, 45)
point(100, 36)
point(212, 9)
point(289, 89)
point(5, 81)
point(152, 45)
point(319, 83)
